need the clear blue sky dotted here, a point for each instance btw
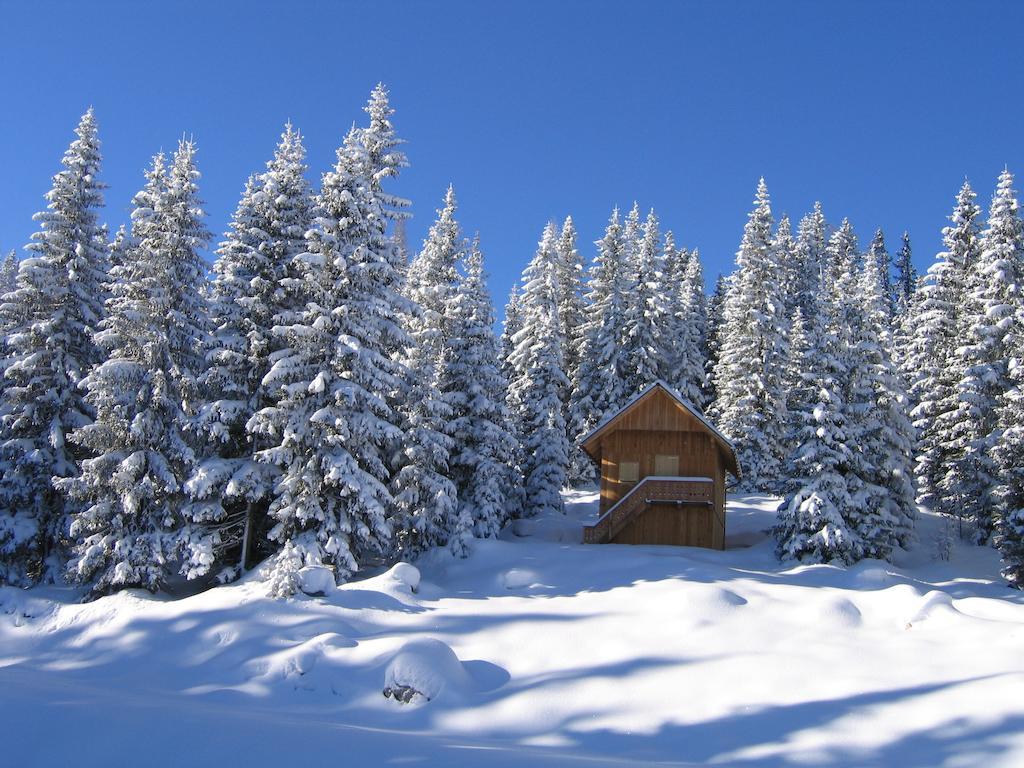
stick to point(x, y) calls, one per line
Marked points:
point(535, 110)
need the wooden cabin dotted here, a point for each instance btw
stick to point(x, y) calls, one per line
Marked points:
point(663, 467)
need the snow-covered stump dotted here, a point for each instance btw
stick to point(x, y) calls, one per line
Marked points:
point(423, 670)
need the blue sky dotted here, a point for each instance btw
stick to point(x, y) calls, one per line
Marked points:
point(536, 110)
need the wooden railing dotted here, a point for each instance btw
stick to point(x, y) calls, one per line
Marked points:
point(681, 491)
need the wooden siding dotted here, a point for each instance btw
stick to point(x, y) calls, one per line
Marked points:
point(697, 452)
point(684, 527)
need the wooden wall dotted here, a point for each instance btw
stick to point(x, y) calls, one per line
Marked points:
point(685, 526)
point(697, 452)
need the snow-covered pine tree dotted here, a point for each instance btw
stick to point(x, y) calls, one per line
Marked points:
point(401, 238)
point(230, 490)
point(878, 255)
point(384, 159)
point(810, 262)
point(9, 273)
point(50, 317)
point(597, 390)
point(632, 234)
point(812, 524)
point(424, 491)
point(868, 516)
point(645, 315)
point(750, 402)
point(930, 365)
point(799, 388)
point(117, 254)
point(333, 431)
point(843, 258)
point(11, 310)
point(539, 391)
point(787, 256)
point(431, 281)
point(713, 336)
point(887, 436)
point(685, 323)
point(1008, 454)
point(694, 279)
point(510, 326)
point(993, 298)
point(906, 277)
point(130, 531)
point(483, 461)
point(673, 268)
point(570, 303)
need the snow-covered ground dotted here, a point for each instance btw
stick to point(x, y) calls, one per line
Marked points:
point(535, 651)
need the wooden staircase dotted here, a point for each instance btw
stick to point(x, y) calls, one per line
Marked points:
point(677, 491)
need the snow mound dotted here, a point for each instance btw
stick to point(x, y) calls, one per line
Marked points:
point(518, 578)
point(406, 576)
point(873, 576)
point(709, 601)
point(839, 613)
point(936, 607)
point(423, 670)
point(316, 580)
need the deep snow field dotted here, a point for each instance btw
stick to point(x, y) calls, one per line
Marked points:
point(535, 651)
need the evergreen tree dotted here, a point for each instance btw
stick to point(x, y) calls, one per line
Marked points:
point(1008, 454)
point(483, 463)
point(868, 516)
point(812, 524)
point(50, 318)
point(570, 302)
point(130, 531)
point(117, 255)
point(9, 273)
point(885, 441)
point(539, 391)
point(750, 397)
point(685, 324)
point(333, 429)
point(929, 362)
point(713, 337)
point(384, 160)
point(809, 263)
point(230, 490)
point(906, 277)
point(879, 256)
point(632, 234)
point(597, 389)
point(12, 312)
point(424, 491)
point(787, 257)
point(431, 281)
point(848, 496)
point(645, 313)
point(511, 325)
point(993, 297)
point(798, 383)
point(694, 279)
point(673, 330)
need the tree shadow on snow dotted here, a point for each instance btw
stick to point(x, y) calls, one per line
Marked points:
point(960, 740)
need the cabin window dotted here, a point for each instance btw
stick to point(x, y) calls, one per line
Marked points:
point(629, 471)
point(666, 466)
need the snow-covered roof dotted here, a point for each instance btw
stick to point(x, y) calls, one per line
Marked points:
point(671, 392)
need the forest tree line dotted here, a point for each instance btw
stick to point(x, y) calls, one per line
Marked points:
point(320, 398)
